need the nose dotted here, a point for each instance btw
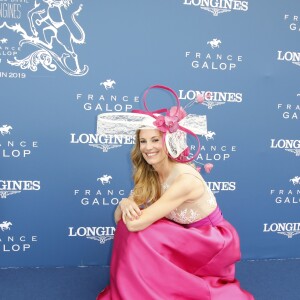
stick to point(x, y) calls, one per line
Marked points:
point(149, 146)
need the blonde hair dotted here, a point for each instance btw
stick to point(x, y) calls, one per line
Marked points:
point(147, 187)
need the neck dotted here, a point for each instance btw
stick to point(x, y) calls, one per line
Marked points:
point(164, 169)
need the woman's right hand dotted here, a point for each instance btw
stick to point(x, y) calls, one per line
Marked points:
point(129, 209)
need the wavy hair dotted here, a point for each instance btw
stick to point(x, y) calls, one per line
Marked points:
point(147, 187)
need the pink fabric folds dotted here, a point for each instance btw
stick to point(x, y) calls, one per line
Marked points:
point(168, 261)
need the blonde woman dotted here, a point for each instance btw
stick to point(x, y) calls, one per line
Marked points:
point(171, 241)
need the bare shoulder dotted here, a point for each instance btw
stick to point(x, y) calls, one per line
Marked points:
point(187, 171)
point(189, 179)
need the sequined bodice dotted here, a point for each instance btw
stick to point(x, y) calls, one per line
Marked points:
point(190, 212)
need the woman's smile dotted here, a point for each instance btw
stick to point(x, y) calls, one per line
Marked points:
point(151, 146)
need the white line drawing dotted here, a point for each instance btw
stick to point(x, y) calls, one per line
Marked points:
point(216, 11)
point(5, 225)
point(52, 36)
point(210, 104)
point(289, 234)
point(104, 147)
point(101, 239)
point(295, 151)
point(4, 194)
point(295, 180)
point(108, 84)
point(104, 179)
point(210, 135)
point(214, 43)
point(5, 129)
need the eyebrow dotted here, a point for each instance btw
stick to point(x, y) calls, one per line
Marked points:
point(153, 137)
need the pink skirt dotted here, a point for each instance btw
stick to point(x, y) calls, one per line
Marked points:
point(169, 261)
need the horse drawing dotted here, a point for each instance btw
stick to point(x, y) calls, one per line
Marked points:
point(209, 135)
point(295, 180)
point(5, 129)
point(104, 179)
point(5, 225)
point(3, 41)
point(108, 84)
point(214, 43)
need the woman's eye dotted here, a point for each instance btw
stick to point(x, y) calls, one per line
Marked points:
point(156, 140)
point(142, 142)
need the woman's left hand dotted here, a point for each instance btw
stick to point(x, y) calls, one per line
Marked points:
point(129, 209)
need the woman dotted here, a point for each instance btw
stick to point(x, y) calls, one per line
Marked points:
point(175, 244)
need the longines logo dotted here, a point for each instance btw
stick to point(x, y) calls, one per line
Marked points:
point(12, 148)
point(220, 186)
point(99, 234)
point(289, 111)
point(292, 146)
point(48, 43)
point(217, 7)
point(292, 22)
point(287, 229)
point(11, 10)
point(211, 99)
point(209, 153)
point(104, 102)
point(103, 142)
point(14, 243)
point(289, 56)
point(288, 195)
point(11, 187)
point(214, 60)
point(101, 194)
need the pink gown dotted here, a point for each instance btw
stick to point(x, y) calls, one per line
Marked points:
point(170, 261)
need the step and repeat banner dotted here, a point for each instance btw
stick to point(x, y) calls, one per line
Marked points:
point(64, 62)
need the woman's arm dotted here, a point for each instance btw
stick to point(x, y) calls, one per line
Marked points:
point(127, 208)
point(185, 187)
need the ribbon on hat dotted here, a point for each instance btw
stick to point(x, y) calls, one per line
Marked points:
point(169, 124)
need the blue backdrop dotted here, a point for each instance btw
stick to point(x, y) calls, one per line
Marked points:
point(62, 63)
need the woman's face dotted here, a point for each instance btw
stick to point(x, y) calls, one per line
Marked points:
point(152, 146)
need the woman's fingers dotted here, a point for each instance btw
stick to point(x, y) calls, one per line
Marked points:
point(124, 217)
point(129, 209)
point(133, 212)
